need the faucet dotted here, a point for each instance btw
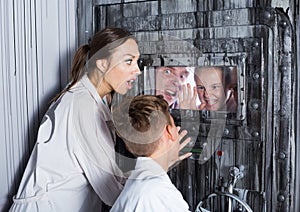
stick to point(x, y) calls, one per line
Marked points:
point(235, 174)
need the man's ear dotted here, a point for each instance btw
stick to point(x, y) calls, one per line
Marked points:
point(102, 64)
point(170, 132)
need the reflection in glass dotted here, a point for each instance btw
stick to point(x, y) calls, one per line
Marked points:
point(169, 81)
point(217, 87)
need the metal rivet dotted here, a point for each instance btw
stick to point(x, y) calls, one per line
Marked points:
point(283, 68)
point(283, 24)
point(255, 76)
point(226, 131)
point(267, 14)
point(240, 208)
point(189, 20)
point(227, 17)
point(281, 155)
point(255, 105)
point(281, 198)
point(282, 112)
point(255, 44)
point(255, 134)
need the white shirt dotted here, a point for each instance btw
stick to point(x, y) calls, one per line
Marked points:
point(73, 160)
point(149, 189)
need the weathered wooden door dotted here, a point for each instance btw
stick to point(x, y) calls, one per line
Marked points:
point(257, 138)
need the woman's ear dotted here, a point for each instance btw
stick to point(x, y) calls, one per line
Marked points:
point(102, 64)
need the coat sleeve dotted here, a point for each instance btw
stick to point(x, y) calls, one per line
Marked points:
point(95, 152)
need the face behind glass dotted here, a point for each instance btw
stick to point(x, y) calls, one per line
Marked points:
point(169, 81)
point(210, 88)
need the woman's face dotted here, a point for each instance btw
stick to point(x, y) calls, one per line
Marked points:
point(123, 67)
point(210, 88)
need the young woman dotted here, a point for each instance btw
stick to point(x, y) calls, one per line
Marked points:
point(72, 166)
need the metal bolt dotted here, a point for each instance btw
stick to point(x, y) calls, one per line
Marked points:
point(281, 198)
point(283, 69)
point(227, 17)
point(281, 155)
point(283, 24)
point(255, 134)
point(254, 105)
point(267, 15)
point(189, 20)
point(255, 44)
point(255, 76)
point(282, 112)
point(226, 131)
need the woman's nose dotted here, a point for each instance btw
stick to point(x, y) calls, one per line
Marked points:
point(137, 70)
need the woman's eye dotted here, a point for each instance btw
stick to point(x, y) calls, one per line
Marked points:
point(182, 76)
point(167, 71)
point(200, 87)
point(216, 86)
point(129, 61)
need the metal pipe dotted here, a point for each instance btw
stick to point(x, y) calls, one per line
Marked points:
point(226, 194)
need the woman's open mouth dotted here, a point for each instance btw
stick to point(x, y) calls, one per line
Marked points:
point(129, 83)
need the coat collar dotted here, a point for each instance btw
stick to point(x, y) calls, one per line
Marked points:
point(101, 102)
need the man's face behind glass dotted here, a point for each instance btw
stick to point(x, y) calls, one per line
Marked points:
point(169, 81)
